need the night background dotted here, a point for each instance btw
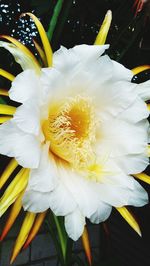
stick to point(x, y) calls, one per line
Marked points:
point(129, 38)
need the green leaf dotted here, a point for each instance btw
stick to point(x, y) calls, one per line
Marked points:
point(2, 101)
point(54, 19)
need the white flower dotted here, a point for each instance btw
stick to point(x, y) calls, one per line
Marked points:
point(82, 129)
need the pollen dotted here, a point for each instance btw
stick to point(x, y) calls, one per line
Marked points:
point(71, 130)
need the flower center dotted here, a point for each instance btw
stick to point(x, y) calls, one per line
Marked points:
point(70, 128)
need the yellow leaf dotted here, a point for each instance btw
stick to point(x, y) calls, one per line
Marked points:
point(6, 74)
point(24, 231)
point(13, 190)
point(130, 219)
point(37, 224)
point(103, 32)
point(143, 177)
point(15, 210)
point(140, 69)
point(7, 172)
point(7, 109)
point(86, 245)
point(44, 39)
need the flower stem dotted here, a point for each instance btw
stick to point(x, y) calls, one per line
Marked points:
point(62, 238)
point(54, 19)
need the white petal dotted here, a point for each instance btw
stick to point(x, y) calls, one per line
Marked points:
point(15, 143)
point(120, 196)
point(101, 214)
point(120, 72)
point(61, 201)
point(136, 112)
point(78, 54)
point(34, 201)
point(21, 58)
point(143, 90)
point(112, 98)
point(132, 164)
point(138, 196)
point(26, 86)
point(118, 137)
point(45, 177)
point(74, 224)
point(89, 53)
point(82, 190)
point(27, 117)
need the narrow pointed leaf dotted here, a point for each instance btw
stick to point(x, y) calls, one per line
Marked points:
point(41, 53)
point(37, 224)
point(3, 119)
point(144, 177)
point(21, 54)
point(3, 92)
point(6, 74)
point(13, 190)
point(86, 245)
point(24, 231)
point(130, 219)
point(8, 171)
point(15, 210)
point(140, 69)
point(103, 32)
point(7, 109)
point(44, 39)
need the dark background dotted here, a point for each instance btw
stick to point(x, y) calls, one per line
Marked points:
point(129, 36)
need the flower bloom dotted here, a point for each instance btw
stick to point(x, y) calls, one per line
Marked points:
point(82, 130)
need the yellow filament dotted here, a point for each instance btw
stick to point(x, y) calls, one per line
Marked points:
point(7, 172)
point(103, 32)
point(6, 74)
point(140, 69)
point(130, 219)
point(144, 177)
point(4, 92)
point(13, 190)
point(71, 129)
point(44, 39)
point(148, 106)
point(24, 49)
point(15, 210)
point(24, 231)
point(3, 119)
point(7, 109)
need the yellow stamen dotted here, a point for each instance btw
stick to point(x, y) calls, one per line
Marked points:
point(15, 210)
point(86, 245)
point(103, 32)
point(18, 184)
point(44, 39)
point(3, 119)
point(25, 229)
point(144, 177)
point(7, 172)
point(70, 128)
point(24, 49)
point(41, 52)
point(130, 219)
point(6, 74)
point(140, 69)
point(7, 109)
point(38, 222)
point(4, 92)
point(148, 106)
